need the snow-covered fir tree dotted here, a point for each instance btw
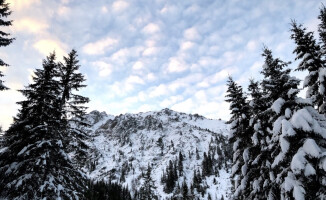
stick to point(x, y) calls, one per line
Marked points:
point(72, 106)
point(34, 163)
point(299, 135)
point(258, 156)
point(310, 54)
point(239, 136)
point(147, 191)
point(5, 40)
point(322, 72)
point(273, 84)
point(106, 190)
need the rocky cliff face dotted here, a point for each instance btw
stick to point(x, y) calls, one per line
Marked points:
point(123, 148)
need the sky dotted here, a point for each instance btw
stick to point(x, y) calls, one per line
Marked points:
point(142, 55)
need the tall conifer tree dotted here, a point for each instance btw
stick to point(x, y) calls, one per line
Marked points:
point(72, 105)
point(239, 135)
point(274, 85)
point(5, 40)
point(310, 54)
point(258, 157)
point(34, 163)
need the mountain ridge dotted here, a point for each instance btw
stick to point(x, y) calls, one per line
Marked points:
point(122, 148)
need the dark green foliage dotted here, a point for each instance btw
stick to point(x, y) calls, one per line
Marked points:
point(180, 164)
point(5, 40)
point(258, 154)
point(35, 144)
point(101, 190)
point(207, 165)
point(170, 178)
point(71, 104)
point(283, 159)
point(322, 27)
point(311, 56)
point(35, 163)
point(197, 154)
point(197, 180)
point(185, 190)
point(147, 191)
point(160, 144)
point(239, 134)
point(71, 80)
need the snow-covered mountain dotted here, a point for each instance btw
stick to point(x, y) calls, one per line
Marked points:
point(124, 146)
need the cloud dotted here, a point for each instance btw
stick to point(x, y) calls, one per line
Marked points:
point(63, 11)
point(138, 65)
point(126, 86)
point(145, 108)
point(186, 45)
point(134, 80)
point(122, 56)
point(104, 69)
point(176, 65)
point(184, 106)
point(46, 46)
point(150, 51)
point(157, 91)
point(119, 6)
point(252, 45)
point(151, 28)
point(100, 46)
point(184, 82)
point(7, 106)
point(170, 101)
point(30, 25)
point(217, 77)
point(151, 77)
point(150, 43)
point(201, 96)
point(208, 61)
point(191, 34)
point(142, 96)
point(104, 9)
point(18, 5)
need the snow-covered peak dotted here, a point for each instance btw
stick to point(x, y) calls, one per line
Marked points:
point(123, 146)
point(163, 116)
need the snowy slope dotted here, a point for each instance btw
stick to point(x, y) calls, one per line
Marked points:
point(132, 141)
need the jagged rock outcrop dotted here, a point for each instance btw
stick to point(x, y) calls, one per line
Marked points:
point(122, 148)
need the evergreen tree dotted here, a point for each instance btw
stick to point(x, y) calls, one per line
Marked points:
point(34, 163)
point(71, 80)
point(322, 30)
point(101, 190)
point(310, 54)
point(180, 164)
point(322, 71)
point(196, 180)
point(171, 177)
point(258, 155)
point(276, 83)
point(289, 136)
point(4, 37)
point(299, 134)
point(148, 188)
point(71, 104)
point(239, 135)
point(5, 40)
point(207, 165)
point(184, 190)
point(197, 154)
